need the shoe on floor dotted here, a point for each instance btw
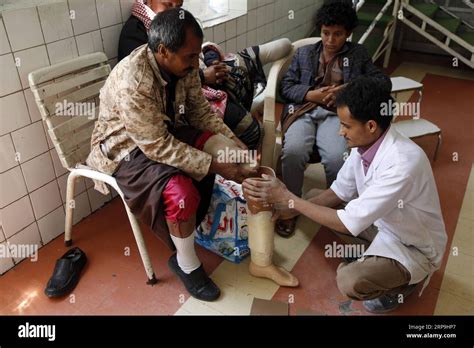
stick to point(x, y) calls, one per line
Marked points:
point(198, 283)
point(286, 228)
point(387, 302)
point(66, 273)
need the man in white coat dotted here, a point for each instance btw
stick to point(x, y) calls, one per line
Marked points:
point(384, 197)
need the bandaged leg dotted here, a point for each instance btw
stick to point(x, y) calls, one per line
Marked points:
point(261, 243)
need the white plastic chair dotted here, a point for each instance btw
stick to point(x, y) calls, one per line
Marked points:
point(415, 127)
point(77, 83)
point(271, 148)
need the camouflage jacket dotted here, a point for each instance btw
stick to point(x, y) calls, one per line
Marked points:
point(133, 113)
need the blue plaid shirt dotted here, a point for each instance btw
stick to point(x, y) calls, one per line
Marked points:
point(300, 77)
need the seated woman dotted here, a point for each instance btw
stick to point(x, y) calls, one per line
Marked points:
point(237, 79)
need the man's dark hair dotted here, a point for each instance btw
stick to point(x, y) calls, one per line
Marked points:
point(336, 12)
point(367, 99)
point(169, 28)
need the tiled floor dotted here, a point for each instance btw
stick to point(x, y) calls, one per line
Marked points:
point(114, 281)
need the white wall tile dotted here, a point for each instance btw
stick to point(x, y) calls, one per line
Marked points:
point(2, 234)
point(16, 216)
point(23, 28)
point(252, 38)
point(7, 153)
point(45, 199)
point(30, 141)
point(261, 16)
point(231, 45)
point(63, 50)
point(38, 171)
point(9, 81)
point(268, 32)
point(251, 20)
point(241, 42)
point(126, 6)
point(279, 9)
point(28, 236)
point(230, 30)
point(31, 60)
point(12, 186)
point(219, 33)
point(14, 113)
point(62, 182)
point(260, 35)
point(89, 43)
point(208, 35)
point(269, 13)
point(4, 44)
point(31, 104)
point(241, 25)
point(110, 40)
point(52, 225)
point(89, 183)
point(251, 4)
point(97, 199)
point(48, 137)
point(58, 167)
point(109, 12)
point(85, 14)
point(55, 21)
point(6, 263)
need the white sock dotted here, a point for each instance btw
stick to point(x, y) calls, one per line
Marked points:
point(274, 50)
point(186, 255)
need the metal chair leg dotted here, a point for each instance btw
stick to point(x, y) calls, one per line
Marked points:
point(438, 144)
point(70, 205)
point(141, 247)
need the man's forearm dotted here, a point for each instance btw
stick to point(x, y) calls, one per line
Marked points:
point(327, 198)
point(320, 214)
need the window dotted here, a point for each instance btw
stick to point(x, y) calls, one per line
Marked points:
point(212, 12)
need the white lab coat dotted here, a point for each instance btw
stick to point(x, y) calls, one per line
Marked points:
point(399, 196)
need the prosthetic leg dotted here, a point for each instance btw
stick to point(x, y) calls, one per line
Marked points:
point(260, 225)
point(261, 242)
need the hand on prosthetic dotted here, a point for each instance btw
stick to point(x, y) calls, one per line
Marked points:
point(232, 171)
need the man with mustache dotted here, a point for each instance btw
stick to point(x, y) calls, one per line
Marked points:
point(153, 135)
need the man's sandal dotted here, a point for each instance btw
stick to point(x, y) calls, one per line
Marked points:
point(285, 228)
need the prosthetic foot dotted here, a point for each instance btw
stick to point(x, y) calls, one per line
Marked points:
point(261, 242)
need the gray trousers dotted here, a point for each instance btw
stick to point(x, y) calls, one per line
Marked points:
point(317, 130)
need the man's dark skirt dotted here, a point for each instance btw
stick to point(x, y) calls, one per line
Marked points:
point(142, 182)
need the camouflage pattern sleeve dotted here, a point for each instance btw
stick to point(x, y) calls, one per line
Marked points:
point(145, 125)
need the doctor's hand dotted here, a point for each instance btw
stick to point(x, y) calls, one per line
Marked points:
point(269, 191)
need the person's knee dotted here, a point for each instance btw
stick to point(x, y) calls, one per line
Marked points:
point(181, 199)
point(295, 151)
point(348, 281)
